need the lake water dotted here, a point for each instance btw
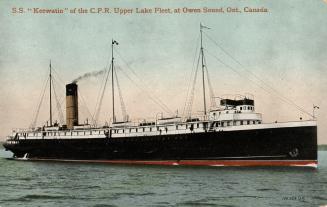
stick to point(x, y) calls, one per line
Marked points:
point(24, 183)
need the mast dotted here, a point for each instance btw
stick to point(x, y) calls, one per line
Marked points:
point(50, 76)
point(112, 78)
point(203, 84)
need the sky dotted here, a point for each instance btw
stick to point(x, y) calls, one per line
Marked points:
point(274, 54)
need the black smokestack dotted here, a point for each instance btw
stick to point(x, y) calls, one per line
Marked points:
point(71, 105)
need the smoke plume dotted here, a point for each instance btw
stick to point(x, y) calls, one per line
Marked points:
point(88, 75)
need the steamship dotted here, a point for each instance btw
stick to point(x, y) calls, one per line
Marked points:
point(231, 134)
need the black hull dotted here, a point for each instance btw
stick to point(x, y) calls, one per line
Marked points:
point(273, 144)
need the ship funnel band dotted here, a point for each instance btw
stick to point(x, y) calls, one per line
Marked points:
point(71, 89)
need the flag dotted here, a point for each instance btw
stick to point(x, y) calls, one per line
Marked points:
point(316, 107)
point(114, 42)
point(203, 27)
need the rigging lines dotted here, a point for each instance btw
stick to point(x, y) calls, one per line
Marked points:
point(100, 98)
point(41, 99)
point(188, 111)
point(39, 105)
point(58, 105)
point(144, 88)
point(186, 103)
point(122, 105)
point(264, 85)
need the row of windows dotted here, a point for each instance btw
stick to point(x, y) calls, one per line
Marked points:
point(144, 129)
point(248, 107)
point(229, 123)
point(62, 133)
point(150, 129)
point(241, 108)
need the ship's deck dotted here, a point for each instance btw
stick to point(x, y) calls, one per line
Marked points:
point(149, 130)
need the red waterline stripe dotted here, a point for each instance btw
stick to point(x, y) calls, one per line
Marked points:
point(309, 163)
